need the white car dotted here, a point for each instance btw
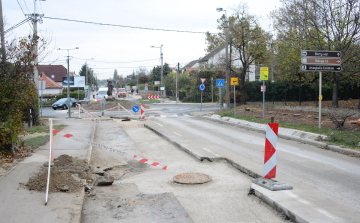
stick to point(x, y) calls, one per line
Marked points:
point(103, 92)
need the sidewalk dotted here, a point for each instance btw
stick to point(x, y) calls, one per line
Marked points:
point(21, 205)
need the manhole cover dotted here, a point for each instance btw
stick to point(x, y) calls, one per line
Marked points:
point(192, 178)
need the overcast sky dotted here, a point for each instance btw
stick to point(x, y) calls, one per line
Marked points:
point(116, 47)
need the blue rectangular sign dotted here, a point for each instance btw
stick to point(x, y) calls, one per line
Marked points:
point(64, 83)
point(220, 83)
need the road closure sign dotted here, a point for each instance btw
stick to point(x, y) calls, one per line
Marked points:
point(264, 73)
point(234, 81)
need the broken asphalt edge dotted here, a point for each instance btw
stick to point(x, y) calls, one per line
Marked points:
point(76, 216)
point(318, 144)
point(243, 169)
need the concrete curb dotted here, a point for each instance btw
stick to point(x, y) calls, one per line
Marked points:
point(231, 162)
point(321, 145)
point(243, 169)
point(88, 159)
point(277, 206)
point(257, 192)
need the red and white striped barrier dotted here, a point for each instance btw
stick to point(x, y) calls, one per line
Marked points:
point(125, 109)
point(153, 97)
point(70, 136)
point(89, 115)
point(151, 163)
point(270, 150)
point(142, 111)
point(111, 108)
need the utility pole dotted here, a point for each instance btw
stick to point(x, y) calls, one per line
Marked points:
point(272, 62)
point(68, 80)
point(227, 65)
point(177, 78)
point(162, 72)
point(227, 75)
point(3, 52)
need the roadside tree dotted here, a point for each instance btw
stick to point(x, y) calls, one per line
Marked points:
point(329, 25)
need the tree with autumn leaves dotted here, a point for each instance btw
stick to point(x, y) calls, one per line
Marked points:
point(18, 91)
point(246, 38)
point(329, 25)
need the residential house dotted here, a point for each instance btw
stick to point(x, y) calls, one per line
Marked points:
point(51, 86)
point(173, 69)
point(216, 58)
point(55, 72)
point(193, 65)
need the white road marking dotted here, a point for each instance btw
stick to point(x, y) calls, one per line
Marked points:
point(159, 124)
point(163, 116)
point(326, 213)
point(177, 134)
point(208, 150)
point(322, 211)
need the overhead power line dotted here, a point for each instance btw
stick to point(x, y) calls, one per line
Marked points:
point(118, 62)
point(17, 25)
point(123, 26)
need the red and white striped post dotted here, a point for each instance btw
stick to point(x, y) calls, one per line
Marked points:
point(270, 150)
point(142, 111)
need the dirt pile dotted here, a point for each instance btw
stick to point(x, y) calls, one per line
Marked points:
point(92, 105)
point(66, 176)
point(295, 117)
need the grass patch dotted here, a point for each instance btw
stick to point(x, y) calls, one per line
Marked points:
point(349, 139)
point(43, 129)
point(36, 142)
point(142, 101)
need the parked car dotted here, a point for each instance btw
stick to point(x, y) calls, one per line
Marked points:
point(61, 103)
point(122, 93)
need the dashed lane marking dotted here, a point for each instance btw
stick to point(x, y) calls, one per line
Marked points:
point(208, 150)
point(159, 124)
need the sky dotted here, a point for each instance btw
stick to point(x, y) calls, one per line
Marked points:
point(126, 49)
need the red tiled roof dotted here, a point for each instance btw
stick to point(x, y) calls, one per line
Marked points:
point(191, 69)
point(59, 71)
point(50, 84)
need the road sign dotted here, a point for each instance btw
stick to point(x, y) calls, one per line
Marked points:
point(264, 73)
point(321, 61)
point(202, 87)
point(203, 80)
point(234, 81)
point(135, 108)
point(262, 88)
point(320, 53)
point(146, 84)
point(316, 68)
point(220, 83)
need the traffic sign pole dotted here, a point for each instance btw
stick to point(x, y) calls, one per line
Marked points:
point(320, 98)
point(234, 102)
point(201, 101)
point(264, 100)
point(220, 100)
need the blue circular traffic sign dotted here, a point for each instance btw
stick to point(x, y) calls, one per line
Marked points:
point(202, 87)
point(135, 108)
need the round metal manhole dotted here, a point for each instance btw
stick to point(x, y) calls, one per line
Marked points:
point(192, 178)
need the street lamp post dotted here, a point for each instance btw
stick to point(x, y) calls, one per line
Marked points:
point(86, 78)
point(162, 71)
point(227, 60)
point(68, 80)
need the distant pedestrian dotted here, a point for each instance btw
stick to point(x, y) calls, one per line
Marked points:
point(137, 90)
point(132, 91)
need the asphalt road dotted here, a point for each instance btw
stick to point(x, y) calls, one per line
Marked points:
point(323, 180)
